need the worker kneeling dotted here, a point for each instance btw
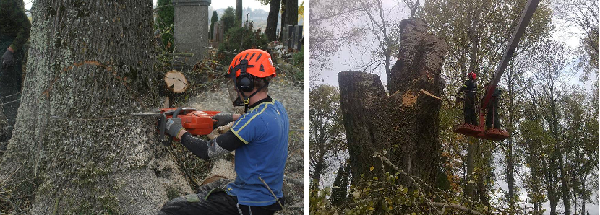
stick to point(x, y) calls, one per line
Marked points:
point(260, 138)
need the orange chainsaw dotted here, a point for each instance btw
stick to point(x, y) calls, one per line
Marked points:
point(194, 121)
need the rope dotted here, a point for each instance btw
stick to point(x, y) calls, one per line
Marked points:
point(276, 199)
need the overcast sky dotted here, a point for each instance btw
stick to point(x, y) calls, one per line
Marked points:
point(351, 58)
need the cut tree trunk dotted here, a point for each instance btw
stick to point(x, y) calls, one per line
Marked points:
point(76, 148)
point(176, 81)
point(405, 124)
point(358, 90)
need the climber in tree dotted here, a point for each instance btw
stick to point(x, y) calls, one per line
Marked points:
point(260, 139)
point(14, 33)
point(470, 89)
point(492, 111)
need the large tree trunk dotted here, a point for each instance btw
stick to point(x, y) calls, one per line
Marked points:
point(565, 188)
point(319, 166)
point(283, 19)
point(553, 197)
point(292, 12)
point(404, 124)
point(238, 12)
point(76, 148)
point(358, 91)
point(272, 20)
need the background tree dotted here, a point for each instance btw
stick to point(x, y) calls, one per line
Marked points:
point(326, 137)
point(581, 129)
point(339, 191)
point(283, 18)
point(272, 19)
point(238, 12)
point(549, 64)
point(584, 15)
point(475, 40)
point(64, 158)
point(213, 20)
point(164, 22)
point(292, 12)
point(228, 19)
point(325, 41)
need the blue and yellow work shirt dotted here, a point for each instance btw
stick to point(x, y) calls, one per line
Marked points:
point(264, 130)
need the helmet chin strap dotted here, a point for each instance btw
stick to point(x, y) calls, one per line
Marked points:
point(247, 99)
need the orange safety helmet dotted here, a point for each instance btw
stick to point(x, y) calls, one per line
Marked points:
point(472, 75)
point(259, 63)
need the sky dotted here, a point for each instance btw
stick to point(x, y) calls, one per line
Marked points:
point(350, 58)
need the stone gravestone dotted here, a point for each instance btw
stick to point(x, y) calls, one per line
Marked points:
point(191, 27)
point(217, 34)
point(297, 37)
point(292, 35)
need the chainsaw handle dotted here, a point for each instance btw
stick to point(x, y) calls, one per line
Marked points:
point(164, 122)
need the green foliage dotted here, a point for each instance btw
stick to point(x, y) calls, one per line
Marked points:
point(213, 19)
point(164, 23)
point(394, 193)
point(319, 205)
point(298, 62)
point(228, 19)
point(486, 25)
point(326, 127)
point(238, 39)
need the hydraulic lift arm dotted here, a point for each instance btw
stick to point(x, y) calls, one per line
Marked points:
point(512, 45)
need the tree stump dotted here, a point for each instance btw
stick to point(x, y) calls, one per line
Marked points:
point(404, 124)
point(176, 81)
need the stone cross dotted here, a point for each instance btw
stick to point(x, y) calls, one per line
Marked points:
point(191, 30)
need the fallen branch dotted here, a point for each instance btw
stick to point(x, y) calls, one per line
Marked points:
point(414, 181)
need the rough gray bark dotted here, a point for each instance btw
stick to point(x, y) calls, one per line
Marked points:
point(358, 92)
point(75, 147)
point(340, 186)
point(4, 132)
point(406, 123)
point(272, 20)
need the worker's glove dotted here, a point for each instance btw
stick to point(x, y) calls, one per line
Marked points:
point(7, 59)
point(223, 118)
point(174, 126)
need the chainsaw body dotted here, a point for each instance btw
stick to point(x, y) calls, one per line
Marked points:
point(193, 121)
point(196, 122)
